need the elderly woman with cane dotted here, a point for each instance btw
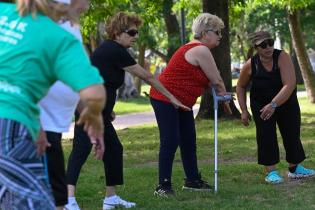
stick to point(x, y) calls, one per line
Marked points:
point(190, 71)
point(30, 63)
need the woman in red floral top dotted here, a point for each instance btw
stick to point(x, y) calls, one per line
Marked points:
point(190, 71)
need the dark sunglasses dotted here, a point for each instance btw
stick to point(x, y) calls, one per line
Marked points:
point(132, 32)
point(217, 32)
point(264, 44)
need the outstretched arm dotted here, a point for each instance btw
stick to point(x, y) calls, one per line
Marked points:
point(149, 78)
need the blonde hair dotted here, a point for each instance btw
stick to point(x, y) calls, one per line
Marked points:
point(206, 21)
point(47, 7)
point(121, 22)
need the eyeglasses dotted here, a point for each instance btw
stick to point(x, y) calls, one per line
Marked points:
point(264, 44)
point(132, 32)
point(217, 32)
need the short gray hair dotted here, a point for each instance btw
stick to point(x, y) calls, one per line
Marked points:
point(206, 21)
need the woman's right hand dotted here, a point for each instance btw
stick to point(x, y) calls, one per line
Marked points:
point(179, 104)
point(94, 127)
point(245, 118)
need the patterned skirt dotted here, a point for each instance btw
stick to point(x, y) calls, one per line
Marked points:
point(23, 178)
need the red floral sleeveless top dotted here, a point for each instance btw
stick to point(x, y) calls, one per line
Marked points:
point(184, 80)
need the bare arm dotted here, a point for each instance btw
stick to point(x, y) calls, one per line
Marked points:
point(201, 56)
point(149, 78)
point(288, 78)
point(242, 83)
point(94, 99)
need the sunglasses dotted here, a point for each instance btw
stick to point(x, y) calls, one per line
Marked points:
point(264, 44)
point(132, 32)
point(217, 32)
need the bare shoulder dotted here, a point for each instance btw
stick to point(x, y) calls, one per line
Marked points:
point(201, 49)
point(248, 65)
point(283, 55)
point(284, 59)
point(201, 52)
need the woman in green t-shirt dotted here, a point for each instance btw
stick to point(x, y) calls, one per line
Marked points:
point(34, 53)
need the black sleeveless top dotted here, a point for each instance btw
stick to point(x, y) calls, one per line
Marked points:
point(265, 84)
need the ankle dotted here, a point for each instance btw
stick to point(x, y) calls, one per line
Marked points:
point(292, 169)
point(71, 199)
point(110, 195)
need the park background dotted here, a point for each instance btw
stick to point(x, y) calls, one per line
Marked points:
point(166, 26)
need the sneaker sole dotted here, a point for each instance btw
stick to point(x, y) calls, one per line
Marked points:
point(299, 176)
point(274, 183)
point(164, 195)
point(196, 189)
point(117, 206)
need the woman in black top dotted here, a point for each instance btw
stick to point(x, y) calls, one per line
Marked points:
point(273, 101)
point(112, 60)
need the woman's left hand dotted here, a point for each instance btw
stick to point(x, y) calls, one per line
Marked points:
point(41, 143)
point(266, 112)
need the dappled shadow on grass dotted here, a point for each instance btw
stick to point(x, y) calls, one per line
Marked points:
point(241, 186)
point(241, 179)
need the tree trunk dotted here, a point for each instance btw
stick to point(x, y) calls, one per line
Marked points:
point(172, 28)
point(302, 57)
point(141, 58)
point(298, 74)
point(241, 42)
point(222, 58)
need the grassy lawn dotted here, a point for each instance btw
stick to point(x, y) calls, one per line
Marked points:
point(241, 180)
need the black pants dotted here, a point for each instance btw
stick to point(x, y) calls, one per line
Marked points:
point(288, 118)
point(56, 168)
point(177, 129)
point(112, 159)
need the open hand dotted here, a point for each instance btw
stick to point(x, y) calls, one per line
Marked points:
point(178, 104)
point(266, 112)
point(94, 127)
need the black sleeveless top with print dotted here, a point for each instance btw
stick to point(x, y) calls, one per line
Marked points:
point(266, 84)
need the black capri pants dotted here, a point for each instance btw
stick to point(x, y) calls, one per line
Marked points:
point(56, 168)
point(288, 119)
point(113, 155)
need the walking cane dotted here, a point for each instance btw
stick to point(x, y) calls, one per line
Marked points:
point(216, 100)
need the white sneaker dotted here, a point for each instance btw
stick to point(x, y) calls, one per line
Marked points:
point(72, 206)
point(115, 201)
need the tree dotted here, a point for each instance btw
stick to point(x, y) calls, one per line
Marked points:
point(301, 54)
point(222, 58)
point(293, 7)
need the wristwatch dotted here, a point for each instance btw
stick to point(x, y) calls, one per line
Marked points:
point(274, 104)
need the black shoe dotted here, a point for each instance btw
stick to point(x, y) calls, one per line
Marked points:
point(197, 185)
point(164, 190)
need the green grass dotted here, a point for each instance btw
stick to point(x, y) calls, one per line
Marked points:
point(241, 180)
point(139, 104)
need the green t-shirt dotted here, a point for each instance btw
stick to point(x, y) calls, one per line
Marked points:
point(34, 53)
